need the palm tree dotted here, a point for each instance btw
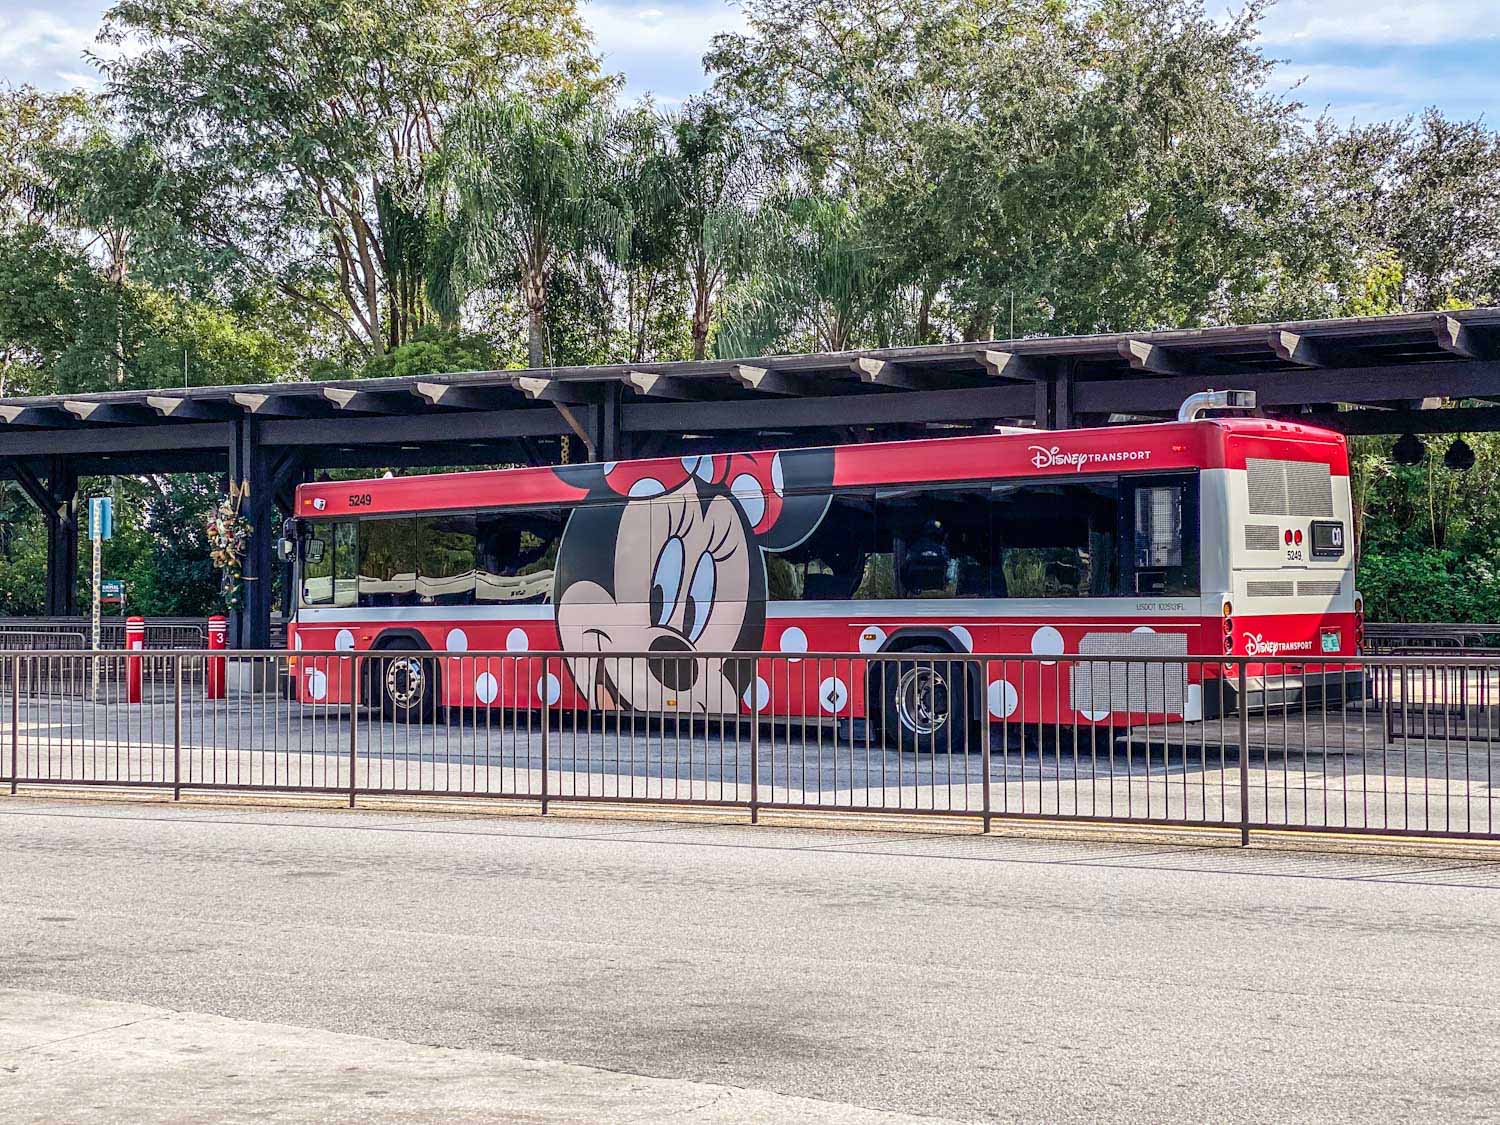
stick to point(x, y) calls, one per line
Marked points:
point(821, 281)
point(518, 183)
point(713, 172)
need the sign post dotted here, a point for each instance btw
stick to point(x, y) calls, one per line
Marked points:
point(101, 527)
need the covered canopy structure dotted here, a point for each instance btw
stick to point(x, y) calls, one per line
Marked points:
point(1376, 375)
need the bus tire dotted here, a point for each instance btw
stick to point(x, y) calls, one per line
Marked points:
point(926, 705)
point(404, 682)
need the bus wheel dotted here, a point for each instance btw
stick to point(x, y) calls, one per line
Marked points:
point(925, 704)
point(405, 682)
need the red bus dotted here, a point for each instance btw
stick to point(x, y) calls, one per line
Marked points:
point(1196, 539)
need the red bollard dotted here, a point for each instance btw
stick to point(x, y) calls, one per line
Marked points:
point(135, 641)
point(218, 640)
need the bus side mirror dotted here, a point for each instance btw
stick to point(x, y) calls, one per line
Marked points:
point(285, 548)
point(314, 551)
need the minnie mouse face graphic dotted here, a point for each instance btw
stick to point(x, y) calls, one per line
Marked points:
point(668, 558)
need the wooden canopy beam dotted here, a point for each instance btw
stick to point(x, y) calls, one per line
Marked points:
point(43, 417)
point(558, 391)
point(461, 398)
point(1143, 355)
point(280, 406)
point(1010, 365)
point(656, 385)
point(885, 373)
point(1453, 335)
point(367, 402)
point(183, 409)
point(766, 381)
point(1294, 347)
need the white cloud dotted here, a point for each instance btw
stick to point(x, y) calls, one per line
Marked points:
point(34, 37)
point(679, 31)
point(1395, 23)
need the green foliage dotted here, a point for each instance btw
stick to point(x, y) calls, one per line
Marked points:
point(302, 156)
point(431, 350)
point(823, 282)
point(1424, 584)
point(519, 180)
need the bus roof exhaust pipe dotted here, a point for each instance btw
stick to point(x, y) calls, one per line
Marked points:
point(1196, 405)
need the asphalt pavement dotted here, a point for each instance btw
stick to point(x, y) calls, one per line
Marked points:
point(929, 974)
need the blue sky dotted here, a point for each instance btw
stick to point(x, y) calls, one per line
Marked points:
point(1362, 60)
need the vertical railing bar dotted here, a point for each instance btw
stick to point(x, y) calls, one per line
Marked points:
point(1244, 707)
point(353, 694)
point(984, 744)
point(177, 728)
point(546, 722)
point(15, 721)
point(755, 754)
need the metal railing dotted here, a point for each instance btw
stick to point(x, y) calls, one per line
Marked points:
point(164, 634)
point(1430, 637)
point(1385, 745)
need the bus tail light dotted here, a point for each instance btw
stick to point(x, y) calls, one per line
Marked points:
point(1359, 623)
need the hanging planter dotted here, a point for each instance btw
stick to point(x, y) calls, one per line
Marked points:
point(228, 537)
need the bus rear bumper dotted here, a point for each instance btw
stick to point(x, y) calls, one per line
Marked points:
point(1333, 688)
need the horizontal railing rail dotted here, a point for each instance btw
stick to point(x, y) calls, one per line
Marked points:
point(1401, 745)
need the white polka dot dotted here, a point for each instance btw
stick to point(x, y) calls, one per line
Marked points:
point(778, 475)
point(871, 637)
point(833, 695)
point(549, 689)
point(1003, 699)
point(793, 640)
point(646, 487)
point(1094, 716)
point(746, 490)
point(297, 642)
point(757, 696)
point(1047, 641)
point(610, 466)
point(1143, 629)
point(486, 688)
point(458, 641)
point(344, 642)
point(515, 641)
point(317, 685)
point(964, 637)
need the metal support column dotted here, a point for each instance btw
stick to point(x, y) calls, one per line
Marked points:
point(604, 422)
point(250, 626)
point(62, 538)
point(1062, 397)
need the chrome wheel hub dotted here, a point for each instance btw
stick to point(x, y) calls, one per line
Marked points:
point(922, 700)
point(405, 682)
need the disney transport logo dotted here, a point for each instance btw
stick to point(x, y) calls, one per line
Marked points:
point(1047, 457)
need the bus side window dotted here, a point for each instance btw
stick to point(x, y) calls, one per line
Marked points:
point(317, 564)
point(346, 564)
point(1055, 540)
point(516, 556)
point(1160, 523)
point(835, 562)
point(938, 540)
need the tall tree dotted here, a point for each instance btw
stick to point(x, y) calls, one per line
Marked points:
point(714, 173)
point(303, 128)
point(1104, 162)
point(518, 180)
point(821, 283)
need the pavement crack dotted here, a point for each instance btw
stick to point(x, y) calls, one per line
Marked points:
point(87, 1034)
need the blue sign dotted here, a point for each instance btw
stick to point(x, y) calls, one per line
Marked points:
point(101, 517)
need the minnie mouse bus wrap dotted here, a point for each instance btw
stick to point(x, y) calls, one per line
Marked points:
point(1202, 538)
